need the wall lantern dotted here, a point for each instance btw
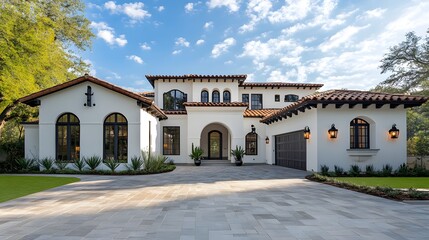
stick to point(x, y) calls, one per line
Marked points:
point(267, 140)
point(333, 131)
point(307, 132)
point(253, 128)
point(394, 132)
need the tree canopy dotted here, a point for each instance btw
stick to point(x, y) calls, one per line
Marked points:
point(38, 40)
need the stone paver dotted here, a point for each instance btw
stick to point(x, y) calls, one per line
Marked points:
point(209, 202)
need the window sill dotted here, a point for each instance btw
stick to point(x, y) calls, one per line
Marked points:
point(362, 152)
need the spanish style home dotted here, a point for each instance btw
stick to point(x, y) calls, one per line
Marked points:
point(286, 124)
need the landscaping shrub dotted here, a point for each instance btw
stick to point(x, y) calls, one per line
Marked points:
point(402, 170)
point(153, 163)
point(93, 162)
point(47, 163)
point(135, 165)
point(24, 164)
point(79, 164)
point(354, 170)
point(111, 164)
point(338, 170)
point(61, 165)
point(14, 150)
point(369, 170)
point(324, 170)
point(386, 170)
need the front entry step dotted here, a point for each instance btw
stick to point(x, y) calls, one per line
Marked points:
point(215, 162)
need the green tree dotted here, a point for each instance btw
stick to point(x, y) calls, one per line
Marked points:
point(419, 145)
point(36, 42)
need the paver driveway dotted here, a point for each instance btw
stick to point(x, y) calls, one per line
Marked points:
point(209, 202)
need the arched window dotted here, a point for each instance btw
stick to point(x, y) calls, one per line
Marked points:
point(174, 99)
point(359, 134)
point(252, 143)
point(226, 96)
point(67, 137)
point(215, 96)
point(204, 96)
point(116, 138)
point(291, 98)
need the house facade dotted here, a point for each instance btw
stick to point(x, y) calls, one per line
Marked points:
point(88, 116)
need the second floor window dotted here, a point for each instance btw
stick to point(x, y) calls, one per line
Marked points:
point(256, 101)
point(291, 98)
point(215, 96)
point(277, 98)
point(204, 96)
point(245, 98)
point(226, 97)
point(174, 99)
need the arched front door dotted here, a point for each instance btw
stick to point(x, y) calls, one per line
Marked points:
point(215, 145)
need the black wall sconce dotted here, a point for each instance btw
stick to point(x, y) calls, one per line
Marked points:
point(394, 132)
point(307, 132)
point(253, 128)
point(267, 140)
point(333, 132)
point(89, 94)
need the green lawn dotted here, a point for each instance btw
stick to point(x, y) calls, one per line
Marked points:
point(394, 182)
point(12, 187)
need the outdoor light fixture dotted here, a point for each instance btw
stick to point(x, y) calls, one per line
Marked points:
point(267, 140)
point(394, 132)
point(253, 128)
point(333, 131)
point(307, 132)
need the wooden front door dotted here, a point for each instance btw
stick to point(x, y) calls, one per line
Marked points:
point(215, 145)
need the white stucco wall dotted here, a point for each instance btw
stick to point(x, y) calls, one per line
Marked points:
point(91, 118)
point(334, 151)
point(31, 141)
point(268, 95)
point(176, 121)
point(148, 121)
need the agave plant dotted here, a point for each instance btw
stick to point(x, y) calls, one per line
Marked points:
point(154, 163)
point(196, 154)
point(47, 163)
point(61, 165)
point(25, 164)
point(238, 154)
point(135, 165)
point(79, 164)
point(111, 164)
point(93, 162)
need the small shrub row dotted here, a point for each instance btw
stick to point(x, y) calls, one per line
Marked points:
point(387, 171)
point(386, 192)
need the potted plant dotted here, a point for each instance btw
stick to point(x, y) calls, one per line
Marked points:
point(238, 154)
point(196, 155)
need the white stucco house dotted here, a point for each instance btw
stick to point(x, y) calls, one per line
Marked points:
point(277, 123)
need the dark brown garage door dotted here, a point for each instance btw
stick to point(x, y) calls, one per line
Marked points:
point(291, 150)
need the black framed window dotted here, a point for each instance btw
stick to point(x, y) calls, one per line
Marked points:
point(252, 144)
point(204, 96)
point(245, 98)
point(67, 137)
point(174, 99)
point(226, 96)
point(291, 98)
point(115, 138)
point(215, 96)
point(277, 98)
point(171, 141)
point(256, 101)
point(359, 134)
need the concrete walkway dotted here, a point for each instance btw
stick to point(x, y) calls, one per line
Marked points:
point(209, 202)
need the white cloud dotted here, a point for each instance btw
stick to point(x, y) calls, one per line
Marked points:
point(92, 70)
point(161, 8)
point(175, 52)
point(374, 13)
point(108, 34)
point(182, 42)
point(208, 25)
point(145, 46)
point(200, 42)
point(189, 7)
point(136, 59)
point(232, 5)
point(220, 48)
point(340, 38)
point(256, 10)
point(135, 11)
point(293, 10)
point(275, 47)
point(228, 62)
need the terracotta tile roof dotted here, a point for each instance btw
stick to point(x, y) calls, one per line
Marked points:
point(175, 112)
point(280, 84)
point(147, 94)
point(341, 97)
point(144, 101)
point(153, 78)
point(259, 113)
point(212, 104)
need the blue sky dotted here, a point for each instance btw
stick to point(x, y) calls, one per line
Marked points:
point(337, 43)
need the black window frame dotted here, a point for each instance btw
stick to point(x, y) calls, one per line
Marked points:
point(69, 125)
point(216, 99)
point(251, 137)
point(277, 98)
point(205, 98)
point(116, 143)
point(256, 104)
point(291, 98)
point(177, 105)
point(359, 134)
point(226, 96)
point(175, 150)
point(245, 97)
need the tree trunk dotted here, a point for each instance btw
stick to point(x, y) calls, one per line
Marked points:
point(4, 115)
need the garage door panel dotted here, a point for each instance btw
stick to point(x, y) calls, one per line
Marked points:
point(291, 150)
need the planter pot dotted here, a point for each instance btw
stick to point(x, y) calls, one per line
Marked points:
point(238, 162)
point(197, 162)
